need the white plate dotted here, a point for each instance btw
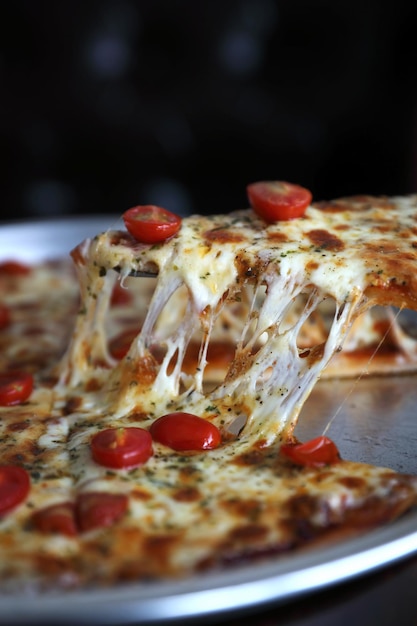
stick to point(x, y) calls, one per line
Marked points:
point(374, 422)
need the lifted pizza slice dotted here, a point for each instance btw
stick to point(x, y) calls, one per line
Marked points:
point(348, 256)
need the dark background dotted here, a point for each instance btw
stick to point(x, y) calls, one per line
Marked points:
point(111, 103)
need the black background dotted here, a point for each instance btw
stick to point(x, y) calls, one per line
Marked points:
point(107, 104)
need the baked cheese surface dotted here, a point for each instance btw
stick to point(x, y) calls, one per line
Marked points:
point(182, 512)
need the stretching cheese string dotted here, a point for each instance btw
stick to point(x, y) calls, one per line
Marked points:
point(363, 373)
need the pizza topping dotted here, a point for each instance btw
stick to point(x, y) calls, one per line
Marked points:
point(316, 452)
point(119, 344)
point(278, 200)
point(151, 224)
point(99, 509)
point(56, 518)
point(14, 268)
point(121, 448)
point(14, 486)
point(121, 296)
point(15, 387)
point(185, 431)
point(90, 510)
point(5, 316)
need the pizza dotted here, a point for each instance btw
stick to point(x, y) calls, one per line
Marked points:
point(151, 382)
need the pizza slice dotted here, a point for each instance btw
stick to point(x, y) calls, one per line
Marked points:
point(140, 464)
point(348, 256)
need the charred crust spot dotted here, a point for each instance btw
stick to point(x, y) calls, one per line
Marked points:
point(325, 240)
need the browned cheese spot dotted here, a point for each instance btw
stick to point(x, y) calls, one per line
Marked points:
point(223, 235)
point(187, 494)
point(311, 266)
point(277, 237)
point(325, 240)
point(352, 482)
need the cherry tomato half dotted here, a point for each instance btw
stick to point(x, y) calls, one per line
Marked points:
point(121, 447)
point(14, 486)
point(15, 387)
point(278, 200)
point(57, 519)
point(5, 316)
point(99, 509)
point(184, 431)
point(150, 223)
point(14, 268)
point(316, 452)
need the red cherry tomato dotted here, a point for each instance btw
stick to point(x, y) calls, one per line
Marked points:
point(316, 452)
point(15, 387)
point(150, 223)
point(57, 519)
point(5, 316)
point(120, 344)
point(278, 200)
point(121, 447)
point(14, 486)
point(184, 431)
point(14, 268)
point(99, 509)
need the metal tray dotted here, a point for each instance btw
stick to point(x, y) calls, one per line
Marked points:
point(374, 422)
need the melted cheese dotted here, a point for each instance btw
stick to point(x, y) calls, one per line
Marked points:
point(212, 260)
point(189, 511)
